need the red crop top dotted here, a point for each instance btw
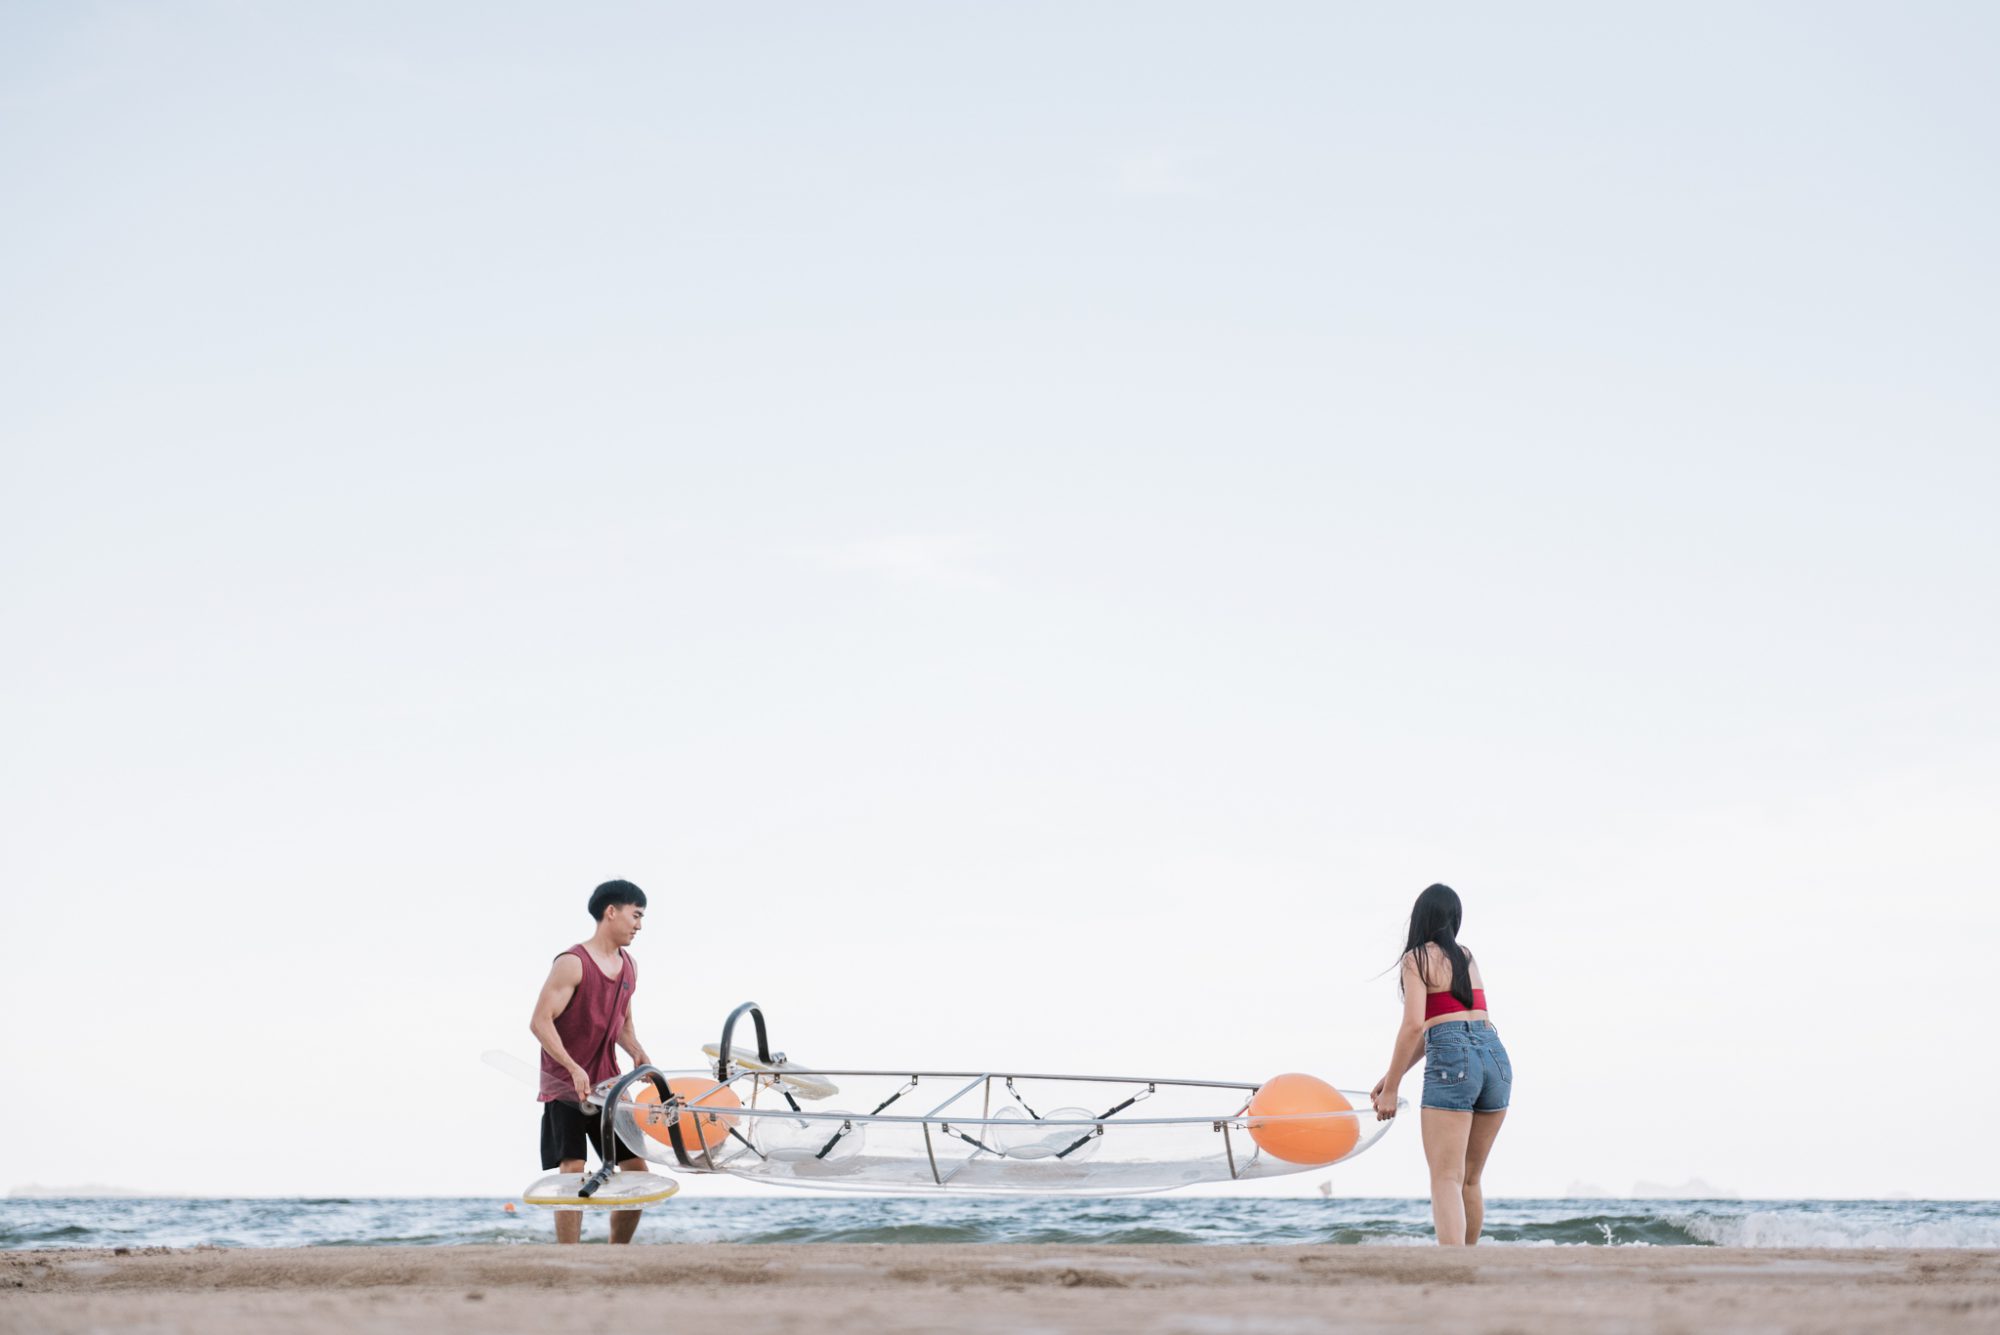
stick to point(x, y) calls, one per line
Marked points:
point(1444, 1003)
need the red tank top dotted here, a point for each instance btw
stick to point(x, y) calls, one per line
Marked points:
point(589, 1025)
point(1444, 1003)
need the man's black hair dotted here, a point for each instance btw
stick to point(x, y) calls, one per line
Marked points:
point(614, 892)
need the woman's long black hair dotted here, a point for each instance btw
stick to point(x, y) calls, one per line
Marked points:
point(1435, 919)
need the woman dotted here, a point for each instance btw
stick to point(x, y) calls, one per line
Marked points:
point(1467, 1076)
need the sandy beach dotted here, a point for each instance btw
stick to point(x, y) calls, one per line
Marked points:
point(1192, 1290)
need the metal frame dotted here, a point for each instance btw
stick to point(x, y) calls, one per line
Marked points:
point(985, 1119)
point(727, 1073)
point(904, 1073)
point(609, 1132)
point(956, 1094)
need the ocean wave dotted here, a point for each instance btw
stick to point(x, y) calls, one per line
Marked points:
point(1817, 1228)
point(894, 1233)
point(63, 1235)
point(1138, 1235)
point(347, 1222)
point(455, 1238)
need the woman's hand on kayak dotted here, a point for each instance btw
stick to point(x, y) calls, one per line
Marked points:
point(1384, 1097)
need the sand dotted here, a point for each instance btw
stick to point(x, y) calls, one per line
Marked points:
point(1177, 1290)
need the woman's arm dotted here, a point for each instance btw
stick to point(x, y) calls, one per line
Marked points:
point(1409, 1048)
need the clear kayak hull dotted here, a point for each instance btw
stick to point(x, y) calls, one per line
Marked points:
point(975, 1131)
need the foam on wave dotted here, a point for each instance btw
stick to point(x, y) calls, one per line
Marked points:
point(1812, 1228)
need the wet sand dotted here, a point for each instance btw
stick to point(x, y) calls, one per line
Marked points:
point(1179, 1290)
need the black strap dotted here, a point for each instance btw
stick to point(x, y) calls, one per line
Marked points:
point(846, 1127)
point(1085, 1138)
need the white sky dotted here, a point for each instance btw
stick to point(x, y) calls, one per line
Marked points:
point(1032, 531)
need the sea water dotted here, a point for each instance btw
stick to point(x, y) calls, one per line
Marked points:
point(375, 1222)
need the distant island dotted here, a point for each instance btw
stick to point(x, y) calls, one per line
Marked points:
point(1694, 1189)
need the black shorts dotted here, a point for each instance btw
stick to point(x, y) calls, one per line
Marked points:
point(565, 1129)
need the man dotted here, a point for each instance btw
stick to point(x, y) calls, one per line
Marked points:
point(585, 1008)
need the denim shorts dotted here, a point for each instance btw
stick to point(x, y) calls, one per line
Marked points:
point(1466, 1067)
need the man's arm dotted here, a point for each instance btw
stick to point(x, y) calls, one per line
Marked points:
point(562, 983)
point(628, 1039)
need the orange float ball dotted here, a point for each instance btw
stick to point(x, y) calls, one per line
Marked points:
point(709, 1110)
point(1302, 1137)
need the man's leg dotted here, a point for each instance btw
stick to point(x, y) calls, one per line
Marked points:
point(624, 1223)
point(569, 1223)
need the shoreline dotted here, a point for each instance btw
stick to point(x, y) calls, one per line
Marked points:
point(1205, 1289)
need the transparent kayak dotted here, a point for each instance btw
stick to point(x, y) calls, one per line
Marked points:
point(757, 1116)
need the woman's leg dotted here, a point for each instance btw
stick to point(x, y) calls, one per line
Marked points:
point(1485, 1126)
point(1445, 1136)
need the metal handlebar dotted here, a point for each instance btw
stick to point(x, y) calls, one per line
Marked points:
point(722, 1054)
point(609, 1141)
